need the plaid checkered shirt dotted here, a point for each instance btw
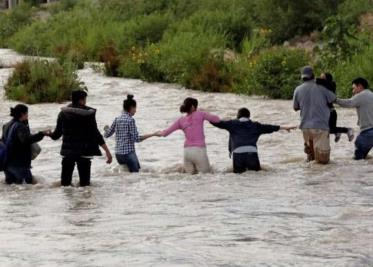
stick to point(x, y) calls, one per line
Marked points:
point(126, 134)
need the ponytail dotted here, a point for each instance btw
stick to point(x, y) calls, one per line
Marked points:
point(188, 104)
point(18, 111)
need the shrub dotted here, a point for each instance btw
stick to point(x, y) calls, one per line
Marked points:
point(12, 22)
point(359, 65)
point(42, 81)
point(276, 72)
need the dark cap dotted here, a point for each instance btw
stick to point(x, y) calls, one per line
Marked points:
point(307, 72)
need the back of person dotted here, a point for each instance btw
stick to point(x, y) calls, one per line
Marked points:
point(79, 131)
point(313, 101)
point(192, 126)
point(364, 106)
point(19, 153)
point(245, 133)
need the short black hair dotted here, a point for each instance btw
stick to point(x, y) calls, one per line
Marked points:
point(243, 113)
point(78, 95)
point(361, 81)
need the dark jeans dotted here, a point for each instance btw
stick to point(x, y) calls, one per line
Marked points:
point(84, 169)
point(130, 160)
point(243, 162)
point(363, 144)
point(333, 124)
point(18, 175)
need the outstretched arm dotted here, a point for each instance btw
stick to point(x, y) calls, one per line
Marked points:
point(57, 133)
point(109, 131)
point(226, 125)
point(348, 103)
point(174, 127)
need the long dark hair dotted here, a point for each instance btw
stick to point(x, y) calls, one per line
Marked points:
point(188, 104)
point(129, 103)
point(18, 111)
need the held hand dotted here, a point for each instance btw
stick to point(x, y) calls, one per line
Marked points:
point(47, 132)
point(109, 158)
point(289, 128)
point(158, 133)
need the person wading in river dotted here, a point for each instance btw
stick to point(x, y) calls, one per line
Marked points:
point(243, 138)
point(77, 125)
point(17, 133)
point(126, 135)
point(195, 152)
point(363, 102)
point(313, 101)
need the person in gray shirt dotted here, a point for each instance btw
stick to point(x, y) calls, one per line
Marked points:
point(363, 102)
point(312, 100)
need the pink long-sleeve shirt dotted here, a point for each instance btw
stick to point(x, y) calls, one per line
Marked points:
point(192, 126)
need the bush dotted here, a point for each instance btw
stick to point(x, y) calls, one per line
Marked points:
point(12, 22)
point(42, 81)
point(359, 65)
point(276, 72)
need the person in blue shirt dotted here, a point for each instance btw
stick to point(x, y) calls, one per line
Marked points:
point(243, 138)
point(126, 135)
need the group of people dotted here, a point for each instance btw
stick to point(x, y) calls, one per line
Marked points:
point(81, 138)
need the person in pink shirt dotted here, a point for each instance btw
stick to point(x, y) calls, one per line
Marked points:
point(195, 153)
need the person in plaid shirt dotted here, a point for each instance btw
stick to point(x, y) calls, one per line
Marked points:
point(126, 135)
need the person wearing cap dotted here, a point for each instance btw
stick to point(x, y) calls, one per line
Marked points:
point(243, 137)
point(313, 101)
point(363, 102)
point(77, 125)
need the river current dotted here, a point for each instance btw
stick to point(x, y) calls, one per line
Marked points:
point(291, 214)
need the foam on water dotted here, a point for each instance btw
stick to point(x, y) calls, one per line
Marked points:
point(291, 214)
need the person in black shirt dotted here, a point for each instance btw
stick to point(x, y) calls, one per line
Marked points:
point(77, 125)
point(326, 80)
point(243, 138)
point(18, 164)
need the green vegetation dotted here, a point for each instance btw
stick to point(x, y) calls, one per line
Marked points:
point(210, 45)
point(42, 81)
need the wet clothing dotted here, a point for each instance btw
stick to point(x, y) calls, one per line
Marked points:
point(80, 141)
point(18, 175)
point(243, 139)
point(313, 102)
point(317, 145)
point(126, 134)
point(130, 160)
point(196, 160)
point(78, 128)
point(363, 144)
point(84, 170)
point(18, 166)
point(192, 126)
point(363, 102)
point(243, 162)
point(331, 86)
point(19, 151)
point(333, 124)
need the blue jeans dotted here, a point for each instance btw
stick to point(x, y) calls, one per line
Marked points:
point(363, 144)
point(130, 160)
point(18, 175)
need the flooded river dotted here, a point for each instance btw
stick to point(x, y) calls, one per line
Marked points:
point(291, 214)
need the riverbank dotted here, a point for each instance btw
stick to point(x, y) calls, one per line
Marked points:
point(213, 45)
